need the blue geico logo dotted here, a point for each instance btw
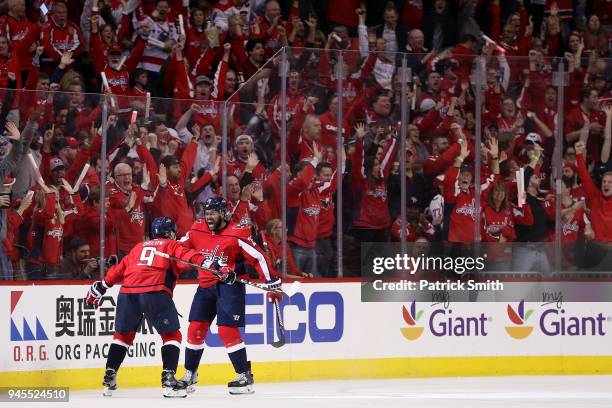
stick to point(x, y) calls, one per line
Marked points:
point(307, 324)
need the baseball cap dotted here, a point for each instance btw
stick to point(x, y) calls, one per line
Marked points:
point(465, 167)
point(427, 104)
point(174, 134)
point(169, 161)
point(534, 138)
point(243, 137)
point(201, 79)
point(571, 166)
point(72, 142)
point(56, 163)
point(115, 49)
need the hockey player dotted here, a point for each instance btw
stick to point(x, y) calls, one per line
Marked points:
point(223, 244)
point(147, 282)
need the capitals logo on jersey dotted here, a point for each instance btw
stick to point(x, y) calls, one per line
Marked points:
point(56, 232)
point(570, 228)
point(312, 211)
point(467, 209)
point(208, 110)
point(379, 192)
point(245, 221)
point(119, 81)
point(137, 216)
point(212, 257)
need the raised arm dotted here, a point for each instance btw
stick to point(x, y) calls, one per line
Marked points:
point(590, 189)
point(607, 145)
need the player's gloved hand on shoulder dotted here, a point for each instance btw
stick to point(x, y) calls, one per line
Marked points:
point(95, 293)
point(227, 276)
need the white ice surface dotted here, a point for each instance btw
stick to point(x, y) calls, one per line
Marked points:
point(473, 392)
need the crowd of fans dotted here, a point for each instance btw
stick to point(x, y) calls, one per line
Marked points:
point(169, 70)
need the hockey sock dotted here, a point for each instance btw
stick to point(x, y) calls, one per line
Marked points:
point(192, 359)
point(196, 333)
point(235, 348)
point(171, 349)
point(116, 354)
point(239, 360)
point(170, 356)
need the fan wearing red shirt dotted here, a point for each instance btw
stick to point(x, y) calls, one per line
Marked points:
point(574, 220)
point(599, 201)
point(118, 76)
point(305, 134)
point(295, 101)
point(303, 209)
point(128, 201)
point(326, 183)
point(417, 226)
point(498, 218)
point(147, 282)
point(61, 35)
point(329, 123)
point(170, 197)
point(270, 27)
point(371, 216)
point(244, 161)
point(272, 237)
point(511, 120)
point(586, 114)
point(459, 192)
point(20, 31)
point(51, 223)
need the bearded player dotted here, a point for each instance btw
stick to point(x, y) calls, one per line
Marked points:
point(223, 245)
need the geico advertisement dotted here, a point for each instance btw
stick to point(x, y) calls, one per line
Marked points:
point(52, 326)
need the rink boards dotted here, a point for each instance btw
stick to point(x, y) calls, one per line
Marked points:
point(51, 339)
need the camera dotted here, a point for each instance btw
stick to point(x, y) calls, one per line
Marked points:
point(9, 204)
point(110, 261)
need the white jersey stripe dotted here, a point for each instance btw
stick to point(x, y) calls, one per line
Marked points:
point(257, 255)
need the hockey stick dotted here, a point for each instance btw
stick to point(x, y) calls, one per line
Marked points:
point(281, 327)
point(293, 289)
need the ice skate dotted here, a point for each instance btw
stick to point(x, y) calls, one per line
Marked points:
point(109, 382)
point(243, 384)
point(172, 388)
point(189, 379)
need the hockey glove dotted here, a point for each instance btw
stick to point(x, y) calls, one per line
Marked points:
point(227, 276)
point(274, 284)
point(95, 293)
point(273, 296)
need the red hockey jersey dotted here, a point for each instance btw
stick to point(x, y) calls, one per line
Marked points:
point(464, 213)
point(142, 271)
point(371, 200)
point(225, 248)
